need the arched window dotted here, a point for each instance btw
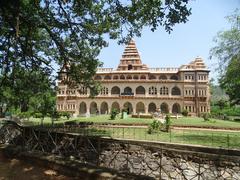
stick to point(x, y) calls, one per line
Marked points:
point(163, 77)
point(152, 77)
point(122, 77)
point(98, 77)
point(135, 77)
point(140, 108)
point(143, 77)
point(115, 90)
point(115, 77)
point(128, 90)
point(130, 67)
point(129, 77)
point(104, 91)
point(152, 90)
point(176, 91)
point(174, 77)
point(163, 90)
point(107, 77)
point(140, 90)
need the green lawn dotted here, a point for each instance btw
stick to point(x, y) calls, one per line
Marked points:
point(105, 119)
point(197, 137)
point(200, 137)
point(199, 122)
point(184, 121)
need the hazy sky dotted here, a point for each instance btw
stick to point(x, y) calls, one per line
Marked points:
point(186, 41)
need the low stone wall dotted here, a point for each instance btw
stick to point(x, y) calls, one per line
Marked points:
point(152, 159)
point(67, 166)
point(170, 161)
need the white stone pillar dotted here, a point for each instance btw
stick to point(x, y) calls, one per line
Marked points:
point(146, 109)
point(134, 110)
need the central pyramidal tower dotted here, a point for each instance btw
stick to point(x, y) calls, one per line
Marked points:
point(131, 59)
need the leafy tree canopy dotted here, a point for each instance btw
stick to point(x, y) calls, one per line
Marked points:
point(38, 33)
point(228, 53)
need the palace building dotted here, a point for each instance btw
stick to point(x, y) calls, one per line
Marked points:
point(139, 89)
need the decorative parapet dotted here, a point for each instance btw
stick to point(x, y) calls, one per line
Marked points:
point(104, 69)
point(163, 69)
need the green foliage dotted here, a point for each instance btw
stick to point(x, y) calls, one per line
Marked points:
point(206, 116)
point(23, 115)
point(185, 112)
point(65, 114)
point(154, 127)
point(55, 115)
point(167, 122)
point(227, 52)
point(38, 115)
point(217, 93)
point(114, 113)
point(221, 103)
point(35, 35)
point(231, 79)
point(227, 111)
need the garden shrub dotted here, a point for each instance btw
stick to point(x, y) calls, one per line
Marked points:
point(167, 122)
point(114, 113)
point(206, 116)
point(154, 126)
point(23, 115)
point(185, 112)
point(37, 115)
point(65, 114)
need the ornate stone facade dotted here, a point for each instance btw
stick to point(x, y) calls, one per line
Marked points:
point(139, 89)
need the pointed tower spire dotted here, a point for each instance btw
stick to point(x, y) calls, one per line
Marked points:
point(130, 59)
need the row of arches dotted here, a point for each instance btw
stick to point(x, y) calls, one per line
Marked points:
point(140, 90)
point(136, 77)
point(104, 108)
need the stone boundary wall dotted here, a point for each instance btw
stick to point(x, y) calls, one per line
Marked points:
point(67, 166)
point(152, 159)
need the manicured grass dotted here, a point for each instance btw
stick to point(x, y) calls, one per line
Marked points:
point(199, 122)
point(47, 120)
point(187, 136)
point(197, 137)
point(106, 119)
point(184, 121)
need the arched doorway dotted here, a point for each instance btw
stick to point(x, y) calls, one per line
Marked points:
point(104, 108)
point(164, 108)
point(140, 108)
point(128, 107)
point(152, 108)
point(82, 108)
point(93, 108)
point(176, 109)
point(115, 105)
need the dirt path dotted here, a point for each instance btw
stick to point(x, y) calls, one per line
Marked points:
point(11, 169)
